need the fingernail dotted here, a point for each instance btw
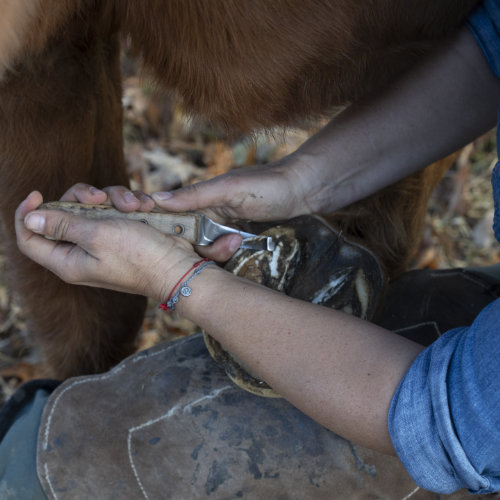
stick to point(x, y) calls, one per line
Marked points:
point(129, 197)
point(234, 243)
point(35, 222)
point(93, 190)
point(161, 195)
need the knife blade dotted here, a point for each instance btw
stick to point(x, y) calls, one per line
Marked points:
point(195, 227)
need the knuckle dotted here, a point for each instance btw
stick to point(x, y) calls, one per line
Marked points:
point(104, 235)
point(194, 189)
point(236, 186)
point(116, 190)
point(60, 228)
point(21, 242)
point(96, 235)
point(74, 191)
point(81, 186)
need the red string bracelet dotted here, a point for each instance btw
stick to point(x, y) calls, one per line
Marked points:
point(165, 305)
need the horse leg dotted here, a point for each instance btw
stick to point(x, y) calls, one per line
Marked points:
point(60, 123)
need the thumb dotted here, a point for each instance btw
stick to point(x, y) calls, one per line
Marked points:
point(36, 232)
point(58, 225)
point(222, 249)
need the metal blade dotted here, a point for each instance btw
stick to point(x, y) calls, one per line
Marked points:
point(209, 231)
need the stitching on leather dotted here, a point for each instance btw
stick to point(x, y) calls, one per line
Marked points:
point(170, 412)
point(93, 378)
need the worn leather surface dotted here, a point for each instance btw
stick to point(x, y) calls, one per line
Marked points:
point(168, 424)
point(421, 305)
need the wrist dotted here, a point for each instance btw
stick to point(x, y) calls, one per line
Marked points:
point(206, 288)
point(182, 287)
point(314, 177)
point(343, 162)
point(169, 270)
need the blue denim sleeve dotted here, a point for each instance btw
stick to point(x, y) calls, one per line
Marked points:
point(444, 418)
point(485, 25)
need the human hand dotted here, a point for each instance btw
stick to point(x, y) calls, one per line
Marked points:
point(121, 197)
point(126, 200)
point(121, 255)
point(259, 193)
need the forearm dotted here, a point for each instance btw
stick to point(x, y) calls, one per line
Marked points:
point(441, 105)
point(339, 370)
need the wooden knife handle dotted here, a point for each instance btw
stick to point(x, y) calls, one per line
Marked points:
point(182, 224)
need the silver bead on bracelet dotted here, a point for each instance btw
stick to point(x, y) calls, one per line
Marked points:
point(184, 289)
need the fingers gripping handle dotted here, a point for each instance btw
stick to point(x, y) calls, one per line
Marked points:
point(179, 224)
point(196, 228)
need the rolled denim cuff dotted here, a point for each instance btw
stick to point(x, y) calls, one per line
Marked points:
point(445, 414)
point(421, 426)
